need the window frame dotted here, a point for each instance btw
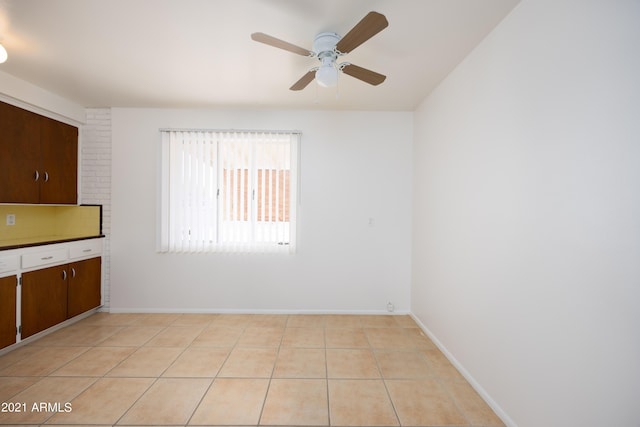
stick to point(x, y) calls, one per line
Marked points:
point(164, 243)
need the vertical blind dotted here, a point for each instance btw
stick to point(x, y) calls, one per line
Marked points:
point(228, 191)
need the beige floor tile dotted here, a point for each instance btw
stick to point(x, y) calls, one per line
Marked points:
point(169, 401)
point(175, 336)
point(76, 335)
point(391, 338)
point(296, 402)
point(58, 338)
point(18, 354)
point(157, 319)
point(201, 362)
point(261, 337)
point(94, 363)
point(424, 403)
point(146, 362)
point(268, 320)
point(303, 338)
point(104, 402)
point(306, 321)
point(132, 336)
point(248, 353)
point(111, 319)
point(405, 321)
point(10, 386)
point(217, 336)
point(360, 403)
point(249, 363)
point(232, 320)
point(471, 404)
point(195, 319)
point(232, 402)
point(342, 321)
point(43, 362)
point(47, 390)
point(381, 321)
point(402, 364)
point(441, 367)
point(300, 363)
point(349, 363)
point(346, 338)
point(419, 339)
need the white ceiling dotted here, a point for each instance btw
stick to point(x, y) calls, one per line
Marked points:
point(198, 53)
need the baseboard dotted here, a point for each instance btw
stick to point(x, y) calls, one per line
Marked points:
point(476, 386)
point(253, 311)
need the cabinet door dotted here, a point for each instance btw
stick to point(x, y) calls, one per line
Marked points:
point(84, 286)
point(59, 145)
point(44, 299)
point(19, 155)
point(8, 310)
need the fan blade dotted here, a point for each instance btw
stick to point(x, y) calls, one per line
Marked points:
point(281, 44)
point(368, 27)
point(363, 74)
point(304, 81)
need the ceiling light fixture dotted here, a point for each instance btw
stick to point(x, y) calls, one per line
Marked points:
point(323, 48)
point(327, 74)
point(3, 54)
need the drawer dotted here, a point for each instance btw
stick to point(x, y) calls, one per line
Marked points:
point(9, 263)
point(85, 248)
point(37, 259)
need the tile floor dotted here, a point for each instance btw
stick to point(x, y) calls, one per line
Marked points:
point(237, 370)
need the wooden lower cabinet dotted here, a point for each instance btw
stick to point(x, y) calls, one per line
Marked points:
point(83, 292)
point(8, 286)
point(55, 294)
point(44, 299)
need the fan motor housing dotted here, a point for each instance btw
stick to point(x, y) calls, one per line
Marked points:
point(324, 44)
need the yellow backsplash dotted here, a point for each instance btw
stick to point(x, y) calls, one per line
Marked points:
point(62, 222)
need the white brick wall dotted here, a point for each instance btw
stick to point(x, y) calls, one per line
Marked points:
point(95, 179)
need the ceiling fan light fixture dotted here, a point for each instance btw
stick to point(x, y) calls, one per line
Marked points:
point(3, 54)
point(327, 47)
point(327, 75)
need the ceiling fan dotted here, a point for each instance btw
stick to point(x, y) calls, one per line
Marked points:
point(327, 47)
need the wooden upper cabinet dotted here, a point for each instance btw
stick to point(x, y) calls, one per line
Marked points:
point(39, 158)
point(19, 155)
point(59, 175)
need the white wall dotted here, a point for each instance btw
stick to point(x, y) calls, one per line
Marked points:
point(355, 166)
point(526, 250)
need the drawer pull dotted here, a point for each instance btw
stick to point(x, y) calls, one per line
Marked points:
point(47, 257)
point(87, 250)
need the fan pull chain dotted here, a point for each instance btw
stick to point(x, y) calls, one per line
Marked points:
point(317, 100)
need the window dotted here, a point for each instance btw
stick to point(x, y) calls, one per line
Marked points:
point(228, 191)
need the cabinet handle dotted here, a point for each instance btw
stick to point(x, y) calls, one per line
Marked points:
point(46, 176)
point(46, 257)
point(73, 272)
point(36, 176)
point(86, 250)
point(64, 274)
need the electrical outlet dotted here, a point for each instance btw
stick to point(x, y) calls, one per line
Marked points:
point(11, 219)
